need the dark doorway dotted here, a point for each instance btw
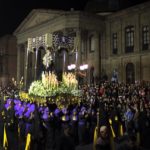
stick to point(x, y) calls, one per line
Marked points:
point(130, 73)
point(40, 66)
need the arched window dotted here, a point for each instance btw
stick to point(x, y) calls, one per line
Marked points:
point(130, 73)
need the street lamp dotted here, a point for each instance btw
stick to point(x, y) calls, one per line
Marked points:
point(82, 73)
point(84, 67)
point(71, 67)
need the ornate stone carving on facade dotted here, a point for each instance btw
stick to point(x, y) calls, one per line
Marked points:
point(39, 41)
point(57, 40)
point(61, 40)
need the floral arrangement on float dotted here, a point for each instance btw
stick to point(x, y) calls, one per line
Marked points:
point(46, 87)
point(49, 85)
point(49, 88)
point(69, 84)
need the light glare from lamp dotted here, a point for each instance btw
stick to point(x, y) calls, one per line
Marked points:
point(84, 67)
point(71, 67)
point(81, 67)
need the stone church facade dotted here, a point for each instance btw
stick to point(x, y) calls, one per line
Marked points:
point(117, 41)
point(127, 43)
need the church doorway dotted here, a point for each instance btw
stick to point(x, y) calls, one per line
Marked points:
point(130, 73)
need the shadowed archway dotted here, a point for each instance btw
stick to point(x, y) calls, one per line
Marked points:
point(130, 73)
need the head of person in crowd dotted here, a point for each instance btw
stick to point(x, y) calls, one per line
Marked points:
point(8, 104)
point(103, 132)
point(74, 111)
point(103, 142)
point(57, 112)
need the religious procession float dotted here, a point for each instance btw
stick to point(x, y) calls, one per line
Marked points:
point(50, 90)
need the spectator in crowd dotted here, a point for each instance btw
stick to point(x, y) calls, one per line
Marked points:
point(103, 142)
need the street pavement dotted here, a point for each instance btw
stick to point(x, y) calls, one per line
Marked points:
point(84, 147)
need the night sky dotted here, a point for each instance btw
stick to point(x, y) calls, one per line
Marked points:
point(12, 14)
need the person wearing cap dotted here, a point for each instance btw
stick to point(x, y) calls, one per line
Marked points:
point(10, 124)
point(50, 136)
point(103, 142)
point(28, 116)
point(116, 123)
point(35, 130)
point(65, 117)
point(93, 123)
point(82, 126)
point(1, 126)
point(45, 124)
point(57, 121)
point(19, 113)
point(74, 125)
point(129, 119)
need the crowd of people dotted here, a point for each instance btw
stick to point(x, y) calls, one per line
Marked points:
point(126, 105)
point(110, 115)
